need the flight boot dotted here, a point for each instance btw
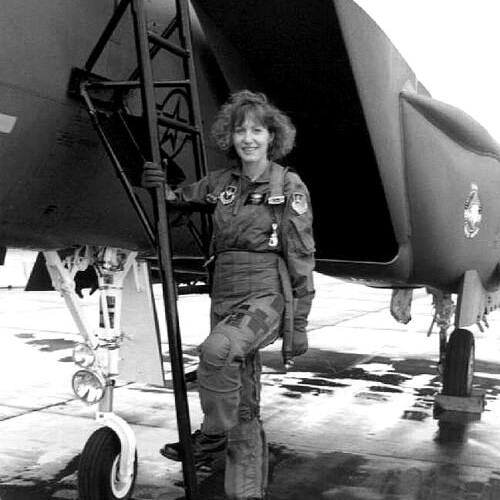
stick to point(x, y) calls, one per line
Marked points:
point(206, 448)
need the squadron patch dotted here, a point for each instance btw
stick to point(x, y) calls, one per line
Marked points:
point(473, 212)
point(227, 196)
point(299, 203)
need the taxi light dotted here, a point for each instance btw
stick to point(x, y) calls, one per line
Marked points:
point(83, 355)
point(89, 386)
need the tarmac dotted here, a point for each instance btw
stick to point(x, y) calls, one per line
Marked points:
point(353, 420)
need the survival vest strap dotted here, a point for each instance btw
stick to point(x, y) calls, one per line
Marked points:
point(220, 184)
point(277, 185)
point(277, 202)
point(212, 197)
point(276, 198)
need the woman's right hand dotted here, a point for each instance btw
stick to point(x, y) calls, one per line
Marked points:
point(153, 176)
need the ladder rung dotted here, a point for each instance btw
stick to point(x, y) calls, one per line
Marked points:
point(164, 43)
point(183, 127)
point(137, 84)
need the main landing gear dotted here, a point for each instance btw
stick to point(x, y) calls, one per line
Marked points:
point(456, 352)
point(459, 400)
point(458, 367)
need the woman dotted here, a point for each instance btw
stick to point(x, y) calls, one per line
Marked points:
point(262, 284)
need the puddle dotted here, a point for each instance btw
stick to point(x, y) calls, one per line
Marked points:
point(51, 345)
point(25, 336)
point(39, 490)
point(377, 388)
point(418, 416)
point(358, 373)
point(66, 359)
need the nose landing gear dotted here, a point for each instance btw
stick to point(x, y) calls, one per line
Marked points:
point(108, 463)
point(99, 473)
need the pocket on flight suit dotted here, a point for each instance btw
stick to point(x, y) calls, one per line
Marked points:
point(302, 236)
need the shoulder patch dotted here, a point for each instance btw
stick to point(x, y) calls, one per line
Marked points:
point(299, 203)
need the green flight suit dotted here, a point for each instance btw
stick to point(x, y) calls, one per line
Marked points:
point(263, 288)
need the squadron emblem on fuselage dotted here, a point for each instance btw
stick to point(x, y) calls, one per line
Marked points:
point(472, 212)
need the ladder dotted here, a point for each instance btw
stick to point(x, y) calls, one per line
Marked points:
point(128, 153)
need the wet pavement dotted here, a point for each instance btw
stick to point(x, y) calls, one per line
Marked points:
point(353, 420)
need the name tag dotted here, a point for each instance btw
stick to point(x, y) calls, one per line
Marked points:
point(255, 199)
point(276, 200)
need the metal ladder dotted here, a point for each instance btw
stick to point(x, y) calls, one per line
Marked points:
point(84, 82)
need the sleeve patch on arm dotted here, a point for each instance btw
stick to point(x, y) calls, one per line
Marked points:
point(299, 203)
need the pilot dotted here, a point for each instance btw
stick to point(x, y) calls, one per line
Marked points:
point(262, 289)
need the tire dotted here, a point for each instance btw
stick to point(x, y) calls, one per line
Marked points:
point(458, 370)
point(97, 471)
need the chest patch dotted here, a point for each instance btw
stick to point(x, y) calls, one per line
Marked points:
point(255, 199)
point(227, 196)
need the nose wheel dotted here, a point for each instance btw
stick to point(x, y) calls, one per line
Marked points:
point(458, 369)
point(99, 475)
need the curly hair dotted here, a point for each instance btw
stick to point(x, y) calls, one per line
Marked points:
point(233, 113)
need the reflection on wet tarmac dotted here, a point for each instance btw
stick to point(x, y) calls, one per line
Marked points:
point(407, 386)
point(342, 476)
point(51, 345)
point(22, 489)
point(416, 415)
point(363, 428)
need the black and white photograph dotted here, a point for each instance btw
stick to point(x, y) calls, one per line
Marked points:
point(249, 250)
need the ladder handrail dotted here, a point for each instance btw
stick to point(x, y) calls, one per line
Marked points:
point(106, 35)
point(165, 255)
point(162, 241)
point(136, 84)
point(185, 35)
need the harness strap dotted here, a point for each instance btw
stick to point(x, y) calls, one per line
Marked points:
point(214, 194)
point(276, 200)
point(277, 185)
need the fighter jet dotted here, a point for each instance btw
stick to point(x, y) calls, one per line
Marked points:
point(404, 186)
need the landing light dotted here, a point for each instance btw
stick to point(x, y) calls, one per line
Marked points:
point(83, 355)
point(89, 386)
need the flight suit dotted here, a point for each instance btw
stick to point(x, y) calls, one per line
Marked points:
point(263, 288)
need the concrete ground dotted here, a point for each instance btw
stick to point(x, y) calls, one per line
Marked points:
point(353, 419)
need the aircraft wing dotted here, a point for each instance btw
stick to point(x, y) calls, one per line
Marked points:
point(326, 63)
point(57, 186)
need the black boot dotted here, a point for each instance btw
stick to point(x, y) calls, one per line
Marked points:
point(205, 447)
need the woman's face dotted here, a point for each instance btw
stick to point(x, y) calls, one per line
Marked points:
point(251, 140)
